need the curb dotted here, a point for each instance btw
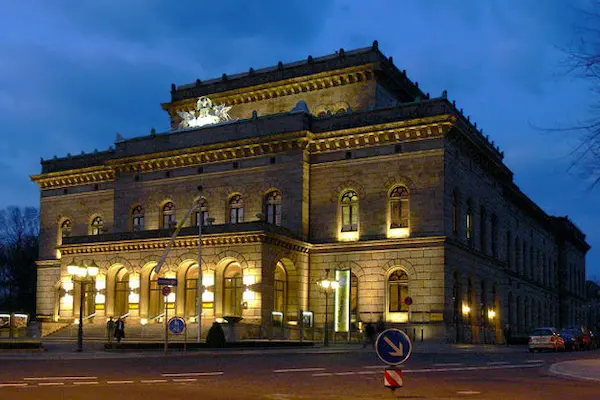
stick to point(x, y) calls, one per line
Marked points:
point(553, 369)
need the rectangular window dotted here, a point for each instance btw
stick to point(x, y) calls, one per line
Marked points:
point(469, 226)
point(482, 230)
point(495, 236)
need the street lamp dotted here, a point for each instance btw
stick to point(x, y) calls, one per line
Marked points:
point(200, 221)
point(327, 286)
point(81, 274)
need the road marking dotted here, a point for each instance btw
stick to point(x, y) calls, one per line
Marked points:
point(118, 382)
point(534, 361)
point(448, 364)
point(185, 380)
point(323, 374)
point(298, 370)
point(60, 378)
point(344, 373)
point(12, 385)
point(153, 380)
point(498, 363)
point(193, 374)
point(51, 383)
point(376, 366)
point(85, 383)
point(467, 392)
point(449, 369)
point(367, 372)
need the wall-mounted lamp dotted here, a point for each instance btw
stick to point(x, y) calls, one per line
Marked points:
point(466, 309)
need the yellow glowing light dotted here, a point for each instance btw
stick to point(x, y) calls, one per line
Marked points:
point(68, 286)
point(248, 295)
point(144, 321)
point(100, 299)
point(72, 269)
point(170, 297)
point(249, 280)
point(491, 314)
point(134, 281)
point(134, 298)
point(170, 274)
point(398, 233)
point(208, 297)
point(466, 309)
point(348, 236)
point(208, 279)
point(101, 282)
point(92, 270)
point(325, 284)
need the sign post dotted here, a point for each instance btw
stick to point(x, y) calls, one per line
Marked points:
point(393, 347)
point(166, 291)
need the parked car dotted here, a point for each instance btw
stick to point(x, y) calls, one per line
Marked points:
point(573, 338)
point(586, 337)
point(546, 338)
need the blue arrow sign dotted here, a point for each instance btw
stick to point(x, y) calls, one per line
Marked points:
point(167, 281)
point(393, 346)
point(176, 325)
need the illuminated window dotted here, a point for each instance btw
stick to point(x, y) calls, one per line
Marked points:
point(455, 212)
point(350, 212)
point(201, 214)
point(96, 226)
point(121, 305)
point(233, 290)
point(469, 222)
point(354, 317)
point(65, 228)
point(191, 291)
point(236, 209)
point(137, 218)
point(279, 289)
point(398, 291)
point(168, 215)
point(156, 303)
point(273, 207)
point(399, 207)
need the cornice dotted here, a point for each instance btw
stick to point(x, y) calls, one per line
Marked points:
point(378, 245)
point(75, 177)
point(288, 87)
point(182, 242)
point(48, 264)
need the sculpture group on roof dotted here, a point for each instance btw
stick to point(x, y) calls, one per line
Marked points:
point(204, 114)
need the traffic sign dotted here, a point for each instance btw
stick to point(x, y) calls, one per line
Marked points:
point(393, 346)
point(167, 281)
point(166, 290)
point(176, 325)
point(392, 378)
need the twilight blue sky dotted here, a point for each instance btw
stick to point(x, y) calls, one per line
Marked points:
point(73, 73)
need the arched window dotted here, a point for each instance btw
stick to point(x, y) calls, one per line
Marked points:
point(156, 300)
point(354, 316)
point(137, 218)
point(398, 291)
point(121, 292)
point(273, 207)
point(236, 209)
point(455, 212)
point(96, 226)
point(399, 207)
point(65, 228)
point(350, 212)
point(279, 287)
point(469, 222)
point(168, 215)
point(233, 290)
point(191, 291)
point(201, 214)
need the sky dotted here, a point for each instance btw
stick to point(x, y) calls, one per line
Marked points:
point(74, 73)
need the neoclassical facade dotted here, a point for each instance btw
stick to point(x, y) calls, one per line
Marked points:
point(336, 166)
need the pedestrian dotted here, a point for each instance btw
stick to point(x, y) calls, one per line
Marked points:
point(380, 325)
point(507, 334)
point(120, 329)
point(369, 335)
point(216, 336)
point(110, 329)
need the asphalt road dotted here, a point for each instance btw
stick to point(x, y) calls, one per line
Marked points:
point(275, 376)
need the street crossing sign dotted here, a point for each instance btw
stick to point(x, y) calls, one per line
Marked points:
point(167, 281)
point(392, 378)
point(176, 325)
point(393, 346)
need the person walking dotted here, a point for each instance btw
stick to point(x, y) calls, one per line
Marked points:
point(110, 329)
point(507, 334)
point(369, 335)
point(120, 330)
point(380, 325)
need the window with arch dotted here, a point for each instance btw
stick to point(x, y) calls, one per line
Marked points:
point(168, 215)
point(236, 209)
point(455, 211)
point(156, 300)
point(398, 205)
point(354, 316)
point(349, 204)
point(65, 228)
point(398, 291)
point(273, 207)
point(121, 305)
point(191, 291)
point(137, 218)
point(96, 226)
point(483, 229)
point(469, 222)
point(201, 214)
point(279, 287)
point(233, 290)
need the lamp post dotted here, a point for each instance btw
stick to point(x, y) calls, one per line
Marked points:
point(200, 285)
point(81, 274)
point(327, 286)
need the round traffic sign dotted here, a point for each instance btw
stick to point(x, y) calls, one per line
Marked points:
point(176, 325)
point(166, 290)
point(393, 346)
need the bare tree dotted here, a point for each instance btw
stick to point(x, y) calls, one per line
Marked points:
point(583, 61)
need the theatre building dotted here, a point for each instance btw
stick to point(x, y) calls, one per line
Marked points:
point(336, 167)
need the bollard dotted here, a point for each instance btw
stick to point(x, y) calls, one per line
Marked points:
point(421, 335)
point(414, 334)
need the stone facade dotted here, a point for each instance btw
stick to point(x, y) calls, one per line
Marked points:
point(338, 167)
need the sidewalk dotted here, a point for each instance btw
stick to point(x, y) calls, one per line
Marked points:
point(588, 370)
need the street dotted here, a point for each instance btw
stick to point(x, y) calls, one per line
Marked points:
point(281, 375)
